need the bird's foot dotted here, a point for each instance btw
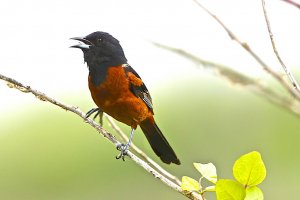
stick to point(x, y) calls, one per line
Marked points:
point(98, 111)
point(124, 149)
point(90, 112)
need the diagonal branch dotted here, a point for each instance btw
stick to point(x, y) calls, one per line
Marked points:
point(286, 69)
point(43, 97)
point(237, 78)
point(245, 46)
point(297, 5)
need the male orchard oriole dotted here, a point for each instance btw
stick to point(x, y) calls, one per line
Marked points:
point(119, 91)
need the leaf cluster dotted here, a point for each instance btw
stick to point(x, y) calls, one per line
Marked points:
point(249, 171)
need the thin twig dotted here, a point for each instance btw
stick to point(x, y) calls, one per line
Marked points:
point(43, 97)
point(245, 46)
point(286, 69)
point(236, 78)
point(297, 5)
point(141, 153)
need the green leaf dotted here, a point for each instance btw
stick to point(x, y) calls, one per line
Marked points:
point(208, 171)
point(189, 184)
point(249, 169)
point(229, 190)
point(254, 193)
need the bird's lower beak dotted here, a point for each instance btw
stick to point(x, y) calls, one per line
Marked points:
point(85, 45)
point(81, 46)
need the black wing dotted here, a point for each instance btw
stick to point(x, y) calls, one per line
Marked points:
point(139, 91)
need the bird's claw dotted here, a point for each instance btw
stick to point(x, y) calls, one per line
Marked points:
point(90, 112)
point(124, 149)
point(98, 112)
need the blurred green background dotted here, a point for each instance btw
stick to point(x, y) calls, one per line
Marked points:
point(48, 153)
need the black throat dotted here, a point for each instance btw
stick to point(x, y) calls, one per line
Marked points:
point(100, 58)
point(98, 67)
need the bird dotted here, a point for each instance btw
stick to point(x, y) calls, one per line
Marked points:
point(119, 91)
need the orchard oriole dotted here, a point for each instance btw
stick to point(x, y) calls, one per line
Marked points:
point(119, 91)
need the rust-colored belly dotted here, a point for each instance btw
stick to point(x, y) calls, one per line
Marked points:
point(114, 97)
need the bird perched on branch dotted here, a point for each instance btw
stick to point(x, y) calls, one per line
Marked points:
point(119, 91)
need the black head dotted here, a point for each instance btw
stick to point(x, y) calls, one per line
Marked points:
point(101, 49)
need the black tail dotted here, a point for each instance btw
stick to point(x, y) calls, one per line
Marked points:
point(158, 142)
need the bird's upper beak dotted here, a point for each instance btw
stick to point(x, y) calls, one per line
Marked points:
point(85, 45)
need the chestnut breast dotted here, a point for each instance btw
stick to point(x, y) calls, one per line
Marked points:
point(114, 97)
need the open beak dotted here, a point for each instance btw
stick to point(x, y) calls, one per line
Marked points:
point(85, 45)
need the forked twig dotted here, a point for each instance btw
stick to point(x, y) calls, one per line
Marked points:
point(245, 46)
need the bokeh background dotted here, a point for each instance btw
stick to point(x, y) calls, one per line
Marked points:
point(48, 153)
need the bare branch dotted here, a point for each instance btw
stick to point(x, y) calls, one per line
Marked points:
point(245, 46)
point(297, 5)
point(236, 78)
point(43, 97)
point(286, 69)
